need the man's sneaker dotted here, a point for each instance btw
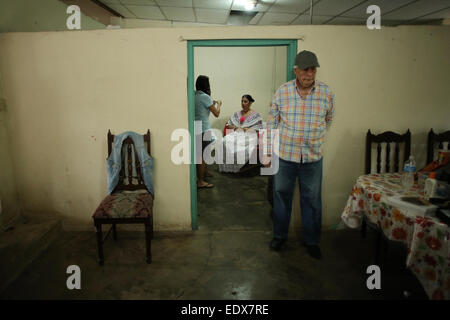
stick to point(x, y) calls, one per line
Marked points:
point(276, 244)
point(314, 251)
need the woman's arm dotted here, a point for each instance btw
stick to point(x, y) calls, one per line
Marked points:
point(257, 126)
point(215, 110)
point(230, 124)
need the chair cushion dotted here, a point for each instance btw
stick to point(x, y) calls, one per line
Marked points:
point(125, 204)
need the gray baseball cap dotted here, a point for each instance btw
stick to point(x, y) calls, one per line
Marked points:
point(306, 59)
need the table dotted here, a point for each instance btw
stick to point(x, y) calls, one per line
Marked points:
point(426, 238)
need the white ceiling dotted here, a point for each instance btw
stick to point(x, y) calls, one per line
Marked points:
point(282, 12)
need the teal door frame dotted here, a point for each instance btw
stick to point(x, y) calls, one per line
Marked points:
point(291, 52)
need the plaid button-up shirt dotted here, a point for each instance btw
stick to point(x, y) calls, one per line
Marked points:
point(302, 122)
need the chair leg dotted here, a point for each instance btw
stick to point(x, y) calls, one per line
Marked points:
point(148, 241)
point(101, 258)
point(363, 227)
point(270, 190)
point(152, 226)
point(385, 249)
point(378, 248)
point(114, 231)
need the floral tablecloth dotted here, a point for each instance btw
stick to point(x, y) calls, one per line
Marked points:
point(427, 238)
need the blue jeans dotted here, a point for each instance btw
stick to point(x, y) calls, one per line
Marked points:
point(310, 183)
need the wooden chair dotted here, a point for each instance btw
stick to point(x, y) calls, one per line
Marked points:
point(387, 137)
point(123, 206)
point(434, 139)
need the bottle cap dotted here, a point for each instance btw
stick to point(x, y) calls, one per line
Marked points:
point(432, 175)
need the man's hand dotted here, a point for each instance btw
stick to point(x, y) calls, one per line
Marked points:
point(266, 160)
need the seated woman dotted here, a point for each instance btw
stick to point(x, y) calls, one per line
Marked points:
point(245, 118)
point(238, 138)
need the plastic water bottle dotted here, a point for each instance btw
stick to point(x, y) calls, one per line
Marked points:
point(430, 186)
point(408, 173)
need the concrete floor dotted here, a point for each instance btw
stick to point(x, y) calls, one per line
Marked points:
point(227, 258)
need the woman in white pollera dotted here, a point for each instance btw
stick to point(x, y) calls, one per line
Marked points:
point(242, 140)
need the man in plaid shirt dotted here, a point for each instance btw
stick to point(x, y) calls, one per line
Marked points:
point(301, 110)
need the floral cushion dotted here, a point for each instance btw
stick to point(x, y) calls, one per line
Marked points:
point(125, 205)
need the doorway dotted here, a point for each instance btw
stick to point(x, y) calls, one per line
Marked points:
point(291, 51)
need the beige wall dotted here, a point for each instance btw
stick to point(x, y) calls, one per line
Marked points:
point(66, 89)
point(9, 204)
point(38, 15)
point(235, 71)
